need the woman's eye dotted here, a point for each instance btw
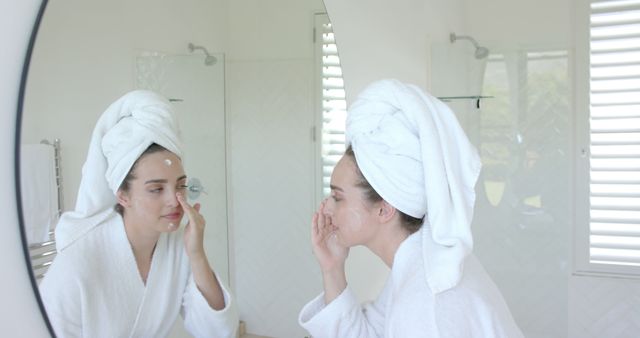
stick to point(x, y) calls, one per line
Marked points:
point(156, 190)
point(182, 187)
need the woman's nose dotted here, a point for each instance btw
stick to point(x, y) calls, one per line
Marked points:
point(172, 199)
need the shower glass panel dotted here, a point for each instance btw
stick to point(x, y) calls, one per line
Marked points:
point(521, 224)
point(196, 90)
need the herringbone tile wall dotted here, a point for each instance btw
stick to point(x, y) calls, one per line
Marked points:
point(604, 307)
point(274, 273)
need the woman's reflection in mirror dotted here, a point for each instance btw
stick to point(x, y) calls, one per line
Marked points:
point(405, 190)
point(130, 270)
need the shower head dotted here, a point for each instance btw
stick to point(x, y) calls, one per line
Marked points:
point(480, 53)
point(209, 59)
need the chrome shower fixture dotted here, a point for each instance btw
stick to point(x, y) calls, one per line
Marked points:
point(481, 52)
point(209, 59)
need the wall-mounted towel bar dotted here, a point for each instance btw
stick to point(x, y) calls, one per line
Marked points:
point(472, 97)
point(43, 253)
point(58, 166)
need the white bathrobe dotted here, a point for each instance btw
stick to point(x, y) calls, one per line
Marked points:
point(407, 308)
point(94, 289)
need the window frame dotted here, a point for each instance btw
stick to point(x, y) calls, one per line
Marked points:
point(582, 103)
point(320, 19)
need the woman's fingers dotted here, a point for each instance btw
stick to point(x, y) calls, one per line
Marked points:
point(188, 209)
point(193, 212)
point(321, 221)
point(324, 221)
point(321, 226)
point(194, 230)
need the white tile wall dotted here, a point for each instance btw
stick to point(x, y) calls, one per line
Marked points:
point(604, 307)
point(270, 104)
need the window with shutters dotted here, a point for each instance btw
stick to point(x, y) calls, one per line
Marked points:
point(332, 107)
point(609, 232)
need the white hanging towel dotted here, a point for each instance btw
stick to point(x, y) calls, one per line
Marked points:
point(39, 191)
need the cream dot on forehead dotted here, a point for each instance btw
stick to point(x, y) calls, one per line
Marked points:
point(168, 162)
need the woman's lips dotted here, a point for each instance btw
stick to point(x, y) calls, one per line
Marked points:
point(174, 216)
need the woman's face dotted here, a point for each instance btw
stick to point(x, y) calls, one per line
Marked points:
point(351, 214)
point(151, 201)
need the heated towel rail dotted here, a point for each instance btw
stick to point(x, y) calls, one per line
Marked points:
point(42, 254)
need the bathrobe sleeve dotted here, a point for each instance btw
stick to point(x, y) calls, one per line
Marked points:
point(61, 297)
point(344, 317)
point(203, 321)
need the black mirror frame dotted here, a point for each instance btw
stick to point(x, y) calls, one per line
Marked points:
point(18, 134)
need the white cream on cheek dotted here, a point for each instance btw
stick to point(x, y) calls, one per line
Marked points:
point(351, 226)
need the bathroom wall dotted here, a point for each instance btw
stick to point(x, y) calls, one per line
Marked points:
point(271, 107)
point(377, 39)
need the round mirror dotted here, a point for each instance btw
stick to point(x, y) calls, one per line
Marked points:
point(246, 80)
point(17, 21)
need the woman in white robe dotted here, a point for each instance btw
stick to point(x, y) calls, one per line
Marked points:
point(405, 190)
point(125, 266)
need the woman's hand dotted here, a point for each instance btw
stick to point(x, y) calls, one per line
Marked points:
point(203, 275)
point(194, 231)
point(329, 253)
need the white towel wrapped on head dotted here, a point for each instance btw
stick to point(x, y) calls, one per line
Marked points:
point(123, 132)
point(411, 149)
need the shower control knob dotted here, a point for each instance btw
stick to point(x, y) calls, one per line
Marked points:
point(194, 188)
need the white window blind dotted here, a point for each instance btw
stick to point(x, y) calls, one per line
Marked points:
point(334, 105)
point(614, 162)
